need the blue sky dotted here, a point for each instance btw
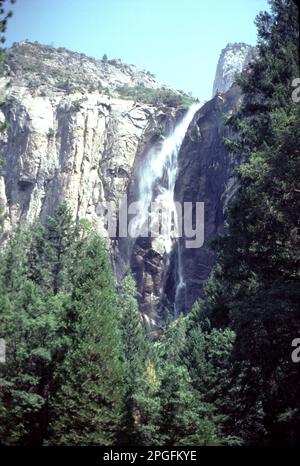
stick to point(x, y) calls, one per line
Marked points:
point(177, 40)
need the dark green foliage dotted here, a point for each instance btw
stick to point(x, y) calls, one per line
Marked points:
point(266, 84)
point(52, 251)
point(150, 96)
point(60, 321)
point(88, 405)
point(4, 16)
point(31, 321)
point(186, 420)
point(255, 286)
point(51, 132)
point(80, 367)
point(142, 413)
point(207, 355)
point(183, 423)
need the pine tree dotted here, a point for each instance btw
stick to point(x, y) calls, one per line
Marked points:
point(52, 251)
point(208, 358)
point(141, 381)
point(186, 420)
point(182, 421)
point(30, 322)
point(53, 316)
point(89, 404)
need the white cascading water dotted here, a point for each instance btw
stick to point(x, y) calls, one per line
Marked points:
point(162, 164)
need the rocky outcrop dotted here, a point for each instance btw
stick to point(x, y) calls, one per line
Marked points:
point(46, 69)
point(233, 59)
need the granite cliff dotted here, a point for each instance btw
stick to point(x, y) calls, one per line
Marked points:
point(233, 59)
point(67, 142)
point(77, 129)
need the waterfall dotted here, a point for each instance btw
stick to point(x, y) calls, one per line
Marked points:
point(157, 183)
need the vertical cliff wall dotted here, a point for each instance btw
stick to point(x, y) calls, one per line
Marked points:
point(70, 134)
point(206, 174)
point(64, 138)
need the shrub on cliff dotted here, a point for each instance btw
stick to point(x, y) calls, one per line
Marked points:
point(156, 97)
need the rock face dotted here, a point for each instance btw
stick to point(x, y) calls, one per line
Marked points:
point(233, 59)
point(80, 145)
point(206, 174)
point(68, 135)
point(75, 148)
point(67, 145)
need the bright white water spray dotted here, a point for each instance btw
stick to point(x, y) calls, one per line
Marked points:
point(161, 164)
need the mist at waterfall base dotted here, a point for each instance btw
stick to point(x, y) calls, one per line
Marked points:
point(157, 183)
